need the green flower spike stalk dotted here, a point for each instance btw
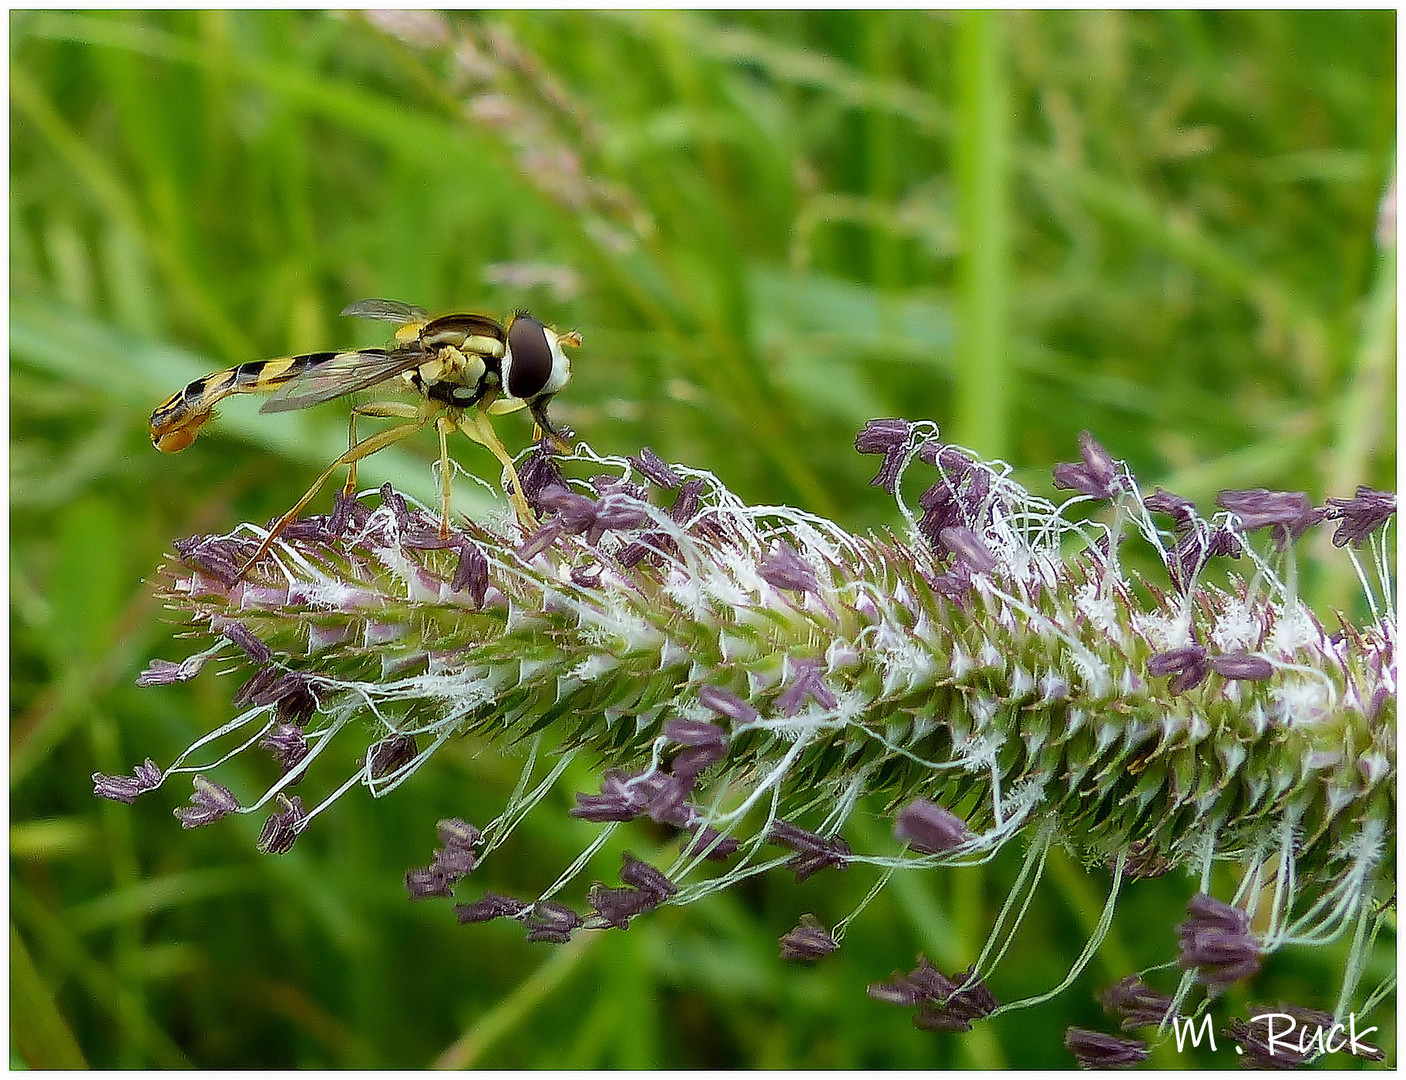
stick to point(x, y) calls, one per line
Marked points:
point(748, 675)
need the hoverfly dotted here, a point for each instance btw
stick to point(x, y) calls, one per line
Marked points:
point(463, 366)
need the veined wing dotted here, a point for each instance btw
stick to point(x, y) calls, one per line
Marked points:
point(387, 311)
point(340, 374)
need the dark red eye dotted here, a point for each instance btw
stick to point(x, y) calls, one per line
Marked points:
point(531, 364)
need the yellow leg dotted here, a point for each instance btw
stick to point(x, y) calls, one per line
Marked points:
point(444, 426)
point(398, 410)
point(365, 448)
point(475, 425)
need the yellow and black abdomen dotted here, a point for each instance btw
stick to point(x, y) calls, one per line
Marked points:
point(178, 419)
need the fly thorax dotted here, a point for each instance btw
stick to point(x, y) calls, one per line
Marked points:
point(432, 370)
point(463, 367)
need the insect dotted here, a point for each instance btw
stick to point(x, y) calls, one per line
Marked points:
point(464, 367)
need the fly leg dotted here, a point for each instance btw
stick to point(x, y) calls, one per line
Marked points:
point(444, 426)
point(476, 426)
point(398, 410)
point(355, 453)
point(541, 424)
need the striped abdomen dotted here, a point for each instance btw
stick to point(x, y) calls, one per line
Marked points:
point(178, 419)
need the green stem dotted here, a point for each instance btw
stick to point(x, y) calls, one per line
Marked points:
point(982, 155)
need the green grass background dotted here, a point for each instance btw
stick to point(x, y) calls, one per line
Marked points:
point(770, 228)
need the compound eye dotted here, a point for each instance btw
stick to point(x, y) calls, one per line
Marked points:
point(531, 358)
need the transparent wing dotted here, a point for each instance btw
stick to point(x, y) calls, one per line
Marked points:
point(342, 373)
point(387, 311)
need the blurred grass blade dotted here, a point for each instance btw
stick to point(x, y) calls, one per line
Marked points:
point(107, 189)
point(1365, 407)
point(155, 894)
point(68, 957)
point(983, 155)
point(802, 67)
point(514, 1008)
point(42, 1038)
